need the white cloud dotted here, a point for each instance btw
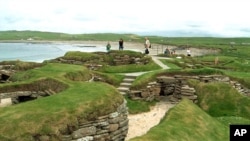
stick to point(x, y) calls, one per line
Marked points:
point(226, 18)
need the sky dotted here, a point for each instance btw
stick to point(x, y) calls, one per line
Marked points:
point(227, 18)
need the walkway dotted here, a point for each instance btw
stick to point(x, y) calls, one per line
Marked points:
point(130, 77)
point(140, 124)
point(156, 59)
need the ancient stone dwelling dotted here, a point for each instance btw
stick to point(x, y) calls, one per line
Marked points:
point(176, 88)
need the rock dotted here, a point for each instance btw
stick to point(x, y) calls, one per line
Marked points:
point(113, 127)
point(84, 132)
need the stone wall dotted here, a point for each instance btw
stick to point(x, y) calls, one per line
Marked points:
point(22, 96)
point(110, 127)
point(175, 88)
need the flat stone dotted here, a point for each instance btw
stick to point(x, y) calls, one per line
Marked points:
point(5, 102)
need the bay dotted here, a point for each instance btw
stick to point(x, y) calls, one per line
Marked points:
point(38, 52)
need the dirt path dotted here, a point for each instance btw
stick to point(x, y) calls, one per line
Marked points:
point(140, 124)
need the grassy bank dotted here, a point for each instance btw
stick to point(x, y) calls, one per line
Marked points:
point(187, 122)
point(222, 100)
point(48, 115)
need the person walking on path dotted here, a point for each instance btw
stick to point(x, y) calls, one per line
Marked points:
point(121, 44)
point(147, 45)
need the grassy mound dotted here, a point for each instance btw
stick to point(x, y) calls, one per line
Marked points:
point(187, 122)
point(222, 101)
point(20, 65)
point(108, 61)
point(49, 115)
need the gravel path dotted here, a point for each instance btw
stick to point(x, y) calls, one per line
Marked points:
point(140, 124)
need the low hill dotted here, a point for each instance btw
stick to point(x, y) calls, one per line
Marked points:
point(48, 115)
point(187, 122)
point(39, 35)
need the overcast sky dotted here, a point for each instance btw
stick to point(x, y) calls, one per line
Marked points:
point(215, 17)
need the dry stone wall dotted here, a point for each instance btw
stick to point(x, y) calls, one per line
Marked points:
point(110, 127)
point(114, 58)
point(22, 96)
point(175, 88)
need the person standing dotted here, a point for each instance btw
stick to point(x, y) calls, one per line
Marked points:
point(167, 51)
point(188, 52)
point(147, 45)
point(108, 46)
point(121, 44)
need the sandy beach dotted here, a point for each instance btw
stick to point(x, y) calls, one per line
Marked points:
point(155, 50)
point(135, 46)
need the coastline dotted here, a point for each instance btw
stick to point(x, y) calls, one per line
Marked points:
point(135, 46)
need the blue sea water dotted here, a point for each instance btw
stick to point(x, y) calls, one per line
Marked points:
point(38, 52)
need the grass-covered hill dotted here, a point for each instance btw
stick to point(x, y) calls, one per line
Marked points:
point(187, 122)
point(76, 98)
point(223, 102)
point(108, 61)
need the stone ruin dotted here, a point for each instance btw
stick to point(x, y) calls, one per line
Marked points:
point(110, 127)
point(96, 63)
point(176, 88)
point(27, 92)
point(5, 72)
point(16, 97)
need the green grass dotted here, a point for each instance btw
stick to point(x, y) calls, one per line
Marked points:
point(220, 100)
point(227, 120)
point(170, 64)
point(110, 78)
point(52, 70)
point(130, 68)
point(80, 56)
point(87, 100)
point(108, 63)
point(145, 78)
point(22, 66)
point(241, 77)
point(138, 106)
point(187, 122)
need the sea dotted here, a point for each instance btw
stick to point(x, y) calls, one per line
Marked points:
point(39, 52)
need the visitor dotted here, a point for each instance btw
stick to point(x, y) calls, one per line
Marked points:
point(188, 52)
point(147, 45)
point(121, 44)
point(108, 46)
point(167, 51)
point(216, 60)
point(173, 51)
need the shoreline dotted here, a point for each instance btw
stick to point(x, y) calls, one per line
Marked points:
point(135, 46)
